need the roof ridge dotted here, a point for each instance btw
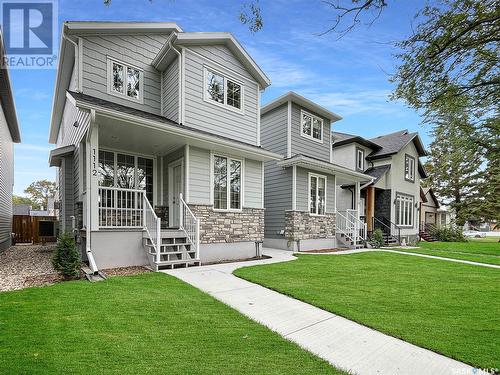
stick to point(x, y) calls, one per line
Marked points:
point(389, 134)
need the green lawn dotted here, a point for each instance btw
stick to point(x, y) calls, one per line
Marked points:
point(451, 308)
point(482, 250)
point(151, 323)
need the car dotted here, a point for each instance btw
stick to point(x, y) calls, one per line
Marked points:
point(474, 234)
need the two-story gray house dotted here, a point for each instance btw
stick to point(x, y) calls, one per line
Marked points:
point(301, 190)
point(9, 134)
point(391, 201)
point(157, 135)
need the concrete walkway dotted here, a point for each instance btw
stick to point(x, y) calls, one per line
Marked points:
point(343, 343)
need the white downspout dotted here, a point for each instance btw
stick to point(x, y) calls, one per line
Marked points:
point(88, 249)
point(180, 119)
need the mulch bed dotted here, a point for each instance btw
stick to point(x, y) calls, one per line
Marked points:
point(324, 251)
point(125, 271)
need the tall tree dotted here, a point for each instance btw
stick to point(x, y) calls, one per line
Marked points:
point(454, 163)
point(40, 191)
point(17, 199)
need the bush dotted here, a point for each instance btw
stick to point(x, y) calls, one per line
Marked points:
point(448, 234)
point(66, 260)
point(377, 239)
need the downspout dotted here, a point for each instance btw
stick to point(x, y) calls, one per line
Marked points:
point(77, 57)
point(181, 120)
point(88, 249)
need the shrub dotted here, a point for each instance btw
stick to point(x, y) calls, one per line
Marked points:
point(66, 260)
point(377, 239)
point(448, 234)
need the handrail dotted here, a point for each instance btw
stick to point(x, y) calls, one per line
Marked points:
point(190, 224)
point(360, 226)
point(389, 232)
point(152, 225)
point(343, 225)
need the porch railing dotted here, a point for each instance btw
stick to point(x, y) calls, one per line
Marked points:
point(120, 208)
point(152, 225)
point(344, 225)
point(359, 225)
point(190, 224)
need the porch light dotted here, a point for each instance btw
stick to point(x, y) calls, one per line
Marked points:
point(76, 124)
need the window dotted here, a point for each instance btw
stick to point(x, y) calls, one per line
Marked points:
point(223, 90)
point(311, 127)
point(317, 194)
point(227, 183)
point(360, 159)
point(125, 81)
point(126, 171)
point(409, 168)
point(405, 205)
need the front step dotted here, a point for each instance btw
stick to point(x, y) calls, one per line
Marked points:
point(175, 250)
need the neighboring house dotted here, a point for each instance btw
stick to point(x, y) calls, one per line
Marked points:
point(391, 201)
point(157, 135)
point(9, 134)
point(431, 214)
point(300, 190)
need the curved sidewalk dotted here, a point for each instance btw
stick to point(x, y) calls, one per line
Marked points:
point(343, 343)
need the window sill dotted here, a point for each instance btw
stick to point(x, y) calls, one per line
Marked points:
point(228, 209)
point(311, 138)
point(225, 106)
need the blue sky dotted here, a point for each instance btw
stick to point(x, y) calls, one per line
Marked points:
point(348, 76)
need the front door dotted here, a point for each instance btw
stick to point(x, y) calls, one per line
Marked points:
point(175, 184)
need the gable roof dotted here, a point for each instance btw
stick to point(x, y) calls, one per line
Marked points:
point(7, 99)
point(429, 191)
point(377, 172)
point(394, 142)
point(340, 139)
point(165, 54)
point(301, 101)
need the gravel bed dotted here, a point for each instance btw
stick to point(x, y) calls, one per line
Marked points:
point(125, 271)
point(27, 265)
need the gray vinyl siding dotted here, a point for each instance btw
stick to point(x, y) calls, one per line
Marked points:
point(273, 130)
point(253, 183)
point(170, 91)
point(76, 175)
point(6, 182)
point(207, 116)
point(302, 192)
point(199, 176)
point(68, 133)
point(136, 50)
point(306, 146)
point(66, 193)
point(277, 198)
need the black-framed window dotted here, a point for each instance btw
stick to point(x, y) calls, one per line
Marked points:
point(360, 159)
point(409, 168)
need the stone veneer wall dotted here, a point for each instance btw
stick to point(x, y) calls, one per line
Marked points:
point(300, 225)
point(229, 226)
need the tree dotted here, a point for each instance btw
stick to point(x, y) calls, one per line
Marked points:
point(454, 163)
point(66, 259)
point(40, 191)
point(17, 199)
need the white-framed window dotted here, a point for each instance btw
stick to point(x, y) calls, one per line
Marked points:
point(405, 206)
point(222, 90)
point(126, 171)
point(360, 159)
point(227, 183)
point(125, 81)
point(409, 168)
point(317, 194)
point(311, 126)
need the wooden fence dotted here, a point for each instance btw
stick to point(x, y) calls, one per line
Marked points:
point(34, 229)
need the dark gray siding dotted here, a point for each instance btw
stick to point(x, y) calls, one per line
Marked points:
point(273, 130)
point(136, 50)
point(277, 198)
point(170, 91)
point(205, 115)
point(66, 193)
point(6, 182)
point(306, 146)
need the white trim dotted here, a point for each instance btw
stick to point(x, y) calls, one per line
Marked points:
point(186, 177)
point(334, 193)
point(358, 158)
point(294, 187)
point(170, 166)
point(317, 176)
point(228, 182)
point(80, 65)
point(109, 72)
point(258, 115)
point(161, 94)
point(225, 78)
point(262, 186)
point(182, 61)
point(289, 130)
point(311, 137)
point(161, 181)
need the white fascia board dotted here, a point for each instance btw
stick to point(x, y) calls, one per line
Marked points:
point(95, 27)
point(251, 151)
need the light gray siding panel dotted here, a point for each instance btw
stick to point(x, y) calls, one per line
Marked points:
point(68, 133)
point(277, 198)
point(253, 183)
point(273, 130)
point(201, 114)
point(199, 176)
point(136, 50)
point(6, 181)
point(170, 91)
point(302, 192)
point(306, 146)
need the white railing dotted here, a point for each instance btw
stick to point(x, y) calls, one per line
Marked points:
point(190, 224)
point(359, 225)
point(120, 208)
point(152, 225)
point(344, 225)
